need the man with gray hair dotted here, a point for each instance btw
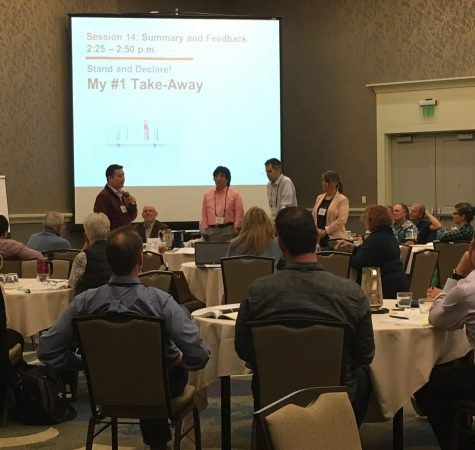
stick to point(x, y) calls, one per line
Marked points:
point(50, 240)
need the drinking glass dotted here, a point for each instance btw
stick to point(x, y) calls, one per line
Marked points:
point(424, 305)
point(404, 299)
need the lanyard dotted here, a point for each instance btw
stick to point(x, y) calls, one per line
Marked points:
point(276, 193)
point(225, 200)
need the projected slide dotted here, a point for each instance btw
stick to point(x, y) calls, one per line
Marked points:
point(172, 98)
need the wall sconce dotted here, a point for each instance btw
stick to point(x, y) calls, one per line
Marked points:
point(428, 106)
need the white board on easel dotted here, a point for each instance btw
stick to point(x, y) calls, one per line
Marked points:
point(3, 197)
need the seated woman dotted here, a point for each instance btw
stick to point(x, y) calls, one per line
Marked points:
point(256, 237)
point(90, 267)
point(462, 215)
point(380, 249)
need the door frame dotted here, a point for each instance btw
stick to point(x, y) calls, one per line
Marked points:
point(398, 111)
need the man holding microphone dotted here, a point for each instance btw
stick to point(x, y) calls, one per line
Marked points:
point(118, 205)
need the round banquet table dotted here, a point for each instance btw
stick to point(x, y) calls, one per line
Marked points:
point(404, 357)
point(33, 311)
point(206, 284)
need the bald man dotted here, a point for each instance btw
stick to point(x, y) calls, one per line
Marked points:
point(150, 227)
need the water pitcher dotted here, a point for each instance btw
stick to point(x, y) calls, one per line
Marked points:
point(372, 287)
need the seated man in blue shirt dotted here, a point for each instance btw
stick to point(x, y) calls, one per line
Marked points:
point(427, 224)
point(125, 294)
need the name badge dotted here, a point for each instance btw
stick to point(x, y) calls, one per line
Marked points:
point(123, 208)
point(219, 220)
point(322, 211)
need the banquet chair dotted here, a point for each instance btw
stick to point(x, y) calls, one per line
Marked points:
point(422, 270)
point(405, 253)
point(181, 292)
point(450, 254)
point(61, 269)
point(28, 268)
point(125, 362)
point(152, 261)
point(337, 263)
point(312, 418)
point(12, 266)
point(64, 254)
point(322, 366)
point(238, 273)
point(161, 279)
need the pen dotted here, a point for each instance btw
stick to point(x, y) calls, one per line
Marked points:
point(399, 317)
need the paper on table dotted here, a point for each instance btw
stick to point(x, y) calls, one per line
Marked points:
point(218, 312)
point(186, 250)
point(411, 317)
point(50, 285)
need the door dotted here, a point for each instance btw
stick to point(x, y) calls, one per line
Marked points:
point(436, 170)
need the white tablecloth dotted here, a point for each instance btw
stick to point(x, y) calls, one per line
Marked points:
point(37, 310)
point(404, 357)
point(176, 257)
point(205, 284)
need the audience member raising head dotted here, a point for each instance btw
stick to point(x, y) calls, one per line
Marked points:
point(462, 216)
point(90, 267)
point(331, 209)
point(10, 248)
point(256, 237)
point(404, 230)
point(379, 249)
point(427, 225)
point(50, 240)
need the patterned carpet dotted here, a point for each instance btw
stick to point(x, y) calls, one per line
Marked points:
point(72, 435)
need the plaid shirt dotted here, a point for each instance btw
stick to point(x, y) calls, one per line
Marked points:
point(464, 233)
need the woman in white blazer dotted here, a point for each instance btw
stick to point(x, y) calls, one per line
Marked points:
point(331, 209)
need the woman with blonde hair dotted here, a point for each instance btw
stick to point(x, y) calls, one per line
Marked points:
point(256, 237)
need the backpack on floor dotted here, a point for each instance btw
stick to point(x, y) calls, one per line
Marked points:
point(41, 397)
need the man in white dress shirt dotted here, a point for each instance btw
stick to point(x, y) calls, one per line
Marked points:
point(453, 308)
point(280, 189)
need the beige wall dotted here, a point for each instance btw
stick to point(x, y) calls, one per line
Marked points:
point(331, 50)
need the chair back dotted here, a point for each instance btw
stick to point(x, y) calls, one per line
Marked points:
point(405, 253)
point(450, 254)
point(29, 268)
point(291, 340)
point(69, 254)
point(422, 271)
point(161, 279)
point(61, 269)
point(337, 263)
point(125, 363)
point(152, 261)
point(311, 418)
point(12, 266)
point(238, 273)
